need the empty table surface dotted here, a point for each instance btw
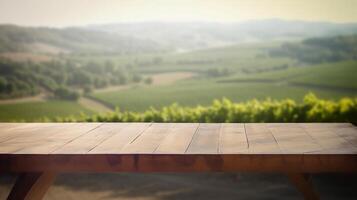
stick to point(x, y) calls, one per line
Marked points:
point(81, 143)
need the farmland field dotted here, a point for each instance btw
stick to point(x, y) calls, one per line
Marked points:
point(235, 58)
point(204, 92)
point(35, 110)
point(239, 72)
point(252, 74)
point(339, 74)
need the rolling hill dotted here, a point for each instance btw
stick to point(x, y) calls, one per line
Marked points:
point(197, 35)
point(69, 40)
point(124, 38)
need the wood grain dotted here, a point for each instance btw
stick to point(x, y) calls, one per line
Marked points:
point(293, 138)
point(47, 140)
point(174, 147)
point(178, 139)
point(122, 137)
point(92, 138)
point(233, 139)
point(206, 140)
point(261, 140)
point(149, 140)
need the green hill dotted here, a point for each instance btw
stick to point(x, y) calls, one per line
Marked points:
point(76, 40)
point(316, 50)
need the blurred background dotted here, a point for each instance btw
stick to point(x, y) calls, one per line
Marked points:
point(75, 58)
point(182, 61)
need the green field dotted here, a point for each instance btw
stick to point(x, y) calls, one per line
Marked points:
point(253, 74)
point(36, 110)
point(235, 58)
point(263, 80)
point(203, 92)
point(339, 74)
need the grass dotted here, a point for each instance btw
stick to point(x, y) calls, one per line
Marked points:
point(37, 110)
point(339, 74)
point(330, 80)
point(203, 92)
point(234, 57)
point(266, 79)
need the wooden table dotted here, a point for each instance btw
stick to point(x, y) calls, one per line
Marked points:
point(38, 151)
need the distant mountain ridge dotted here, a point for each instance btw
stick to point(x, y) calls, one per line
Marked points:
point(50, 40)
point(123, 38)
point(207, 34)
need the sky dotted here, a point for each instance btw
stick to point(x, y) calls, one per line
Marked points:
point(62, 13)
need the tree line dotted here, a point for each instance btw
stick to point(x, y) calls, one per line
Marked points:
point(66, 79)
point(76, 40)
point(317, 50)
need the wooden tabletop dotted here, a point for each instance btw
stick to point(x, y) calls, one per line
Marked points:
point(177, 146)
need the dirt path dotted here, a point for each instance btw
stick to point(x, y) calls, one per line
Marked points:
point(114, 88)
point(157, 79)
point(94, 105)
point(170, 77)
point(38, 98)
point(23, 57)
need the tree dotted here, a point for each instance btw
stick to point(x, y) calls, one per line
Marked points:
point(3, 84)
point(65, 93)
point(137, 78)
point(148, 80)
point(87, 89)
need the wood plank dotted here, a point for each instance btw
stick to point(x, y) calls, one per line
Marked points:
point(178, 138)
point(40, 130)
point(178, 163)
point(233, 139)
point(23, 138)
point(149, 140)
point(313, 138)
point(15, 130)
point(86, 142)
point(17, 125)
point(46, 140)
point(116, 142)
point(328, 139)
point(260, 139)
point(8, 125)
point(50, 143)
point(32, 186)
point(292, 138)
point(325, 125)
point(206, 139)
point(348, 133)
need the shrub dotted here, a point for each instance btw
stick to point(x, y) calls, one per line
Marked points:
point(64, 93)
point(87, 89)
point(312, 109)
point(148, 81)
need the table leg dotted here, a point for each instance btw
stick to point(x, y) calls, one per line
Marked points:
point(303, 183)
point(31, 186)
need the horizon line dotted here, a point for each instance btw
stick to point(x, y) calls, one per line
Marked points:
point(177, 22)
